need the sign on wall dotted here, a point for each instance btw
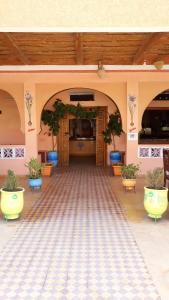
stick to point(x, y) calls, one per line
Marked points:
point(132, 136)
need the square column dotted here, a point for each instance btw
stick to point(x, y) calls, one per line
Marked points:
point(30, 121)
point(132, 122)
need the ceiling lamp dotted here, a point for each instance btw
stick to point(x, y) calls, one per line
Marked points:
point(159, 64)
point(101, 71)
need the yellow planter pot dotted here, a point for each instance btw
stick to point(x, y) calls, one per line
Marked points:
point(155, 202)
point(12, 203)
point(129, 184)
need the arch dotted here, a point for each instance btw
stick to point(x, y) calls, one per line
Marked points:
point(147, 92)
point(10, 120)
point(155, 118)
point(52, 93)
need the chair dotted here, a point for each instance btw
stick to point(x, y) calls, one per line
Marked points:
point(166, 165)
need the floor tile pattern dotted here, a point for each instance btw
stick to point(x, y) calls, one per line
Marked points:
point(75, 244)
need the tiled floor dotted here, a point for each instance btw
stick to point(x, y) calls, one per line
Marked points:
point(75, 243)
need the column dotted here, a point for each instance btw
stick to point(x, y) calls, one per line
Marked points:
point(30, 121)
point(132, 122)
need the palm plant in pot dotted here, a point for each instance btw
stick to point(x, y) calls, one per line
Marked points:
point(114, 128)
point(12, 198)
point(34, 176)
point(52, 118)
point(155, 194)
point(129, 173)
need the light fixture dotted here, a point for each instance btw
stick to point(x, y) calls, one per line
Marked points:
point(159, 64)
point(101, 71)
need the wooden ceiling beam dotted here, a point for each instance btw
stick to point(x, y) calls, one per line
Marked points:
point(16, 51)
point(149, 41)
point(79, 48)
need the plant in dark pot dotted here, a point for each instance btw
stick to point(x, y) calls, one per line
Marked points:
point(129, 173)
point(34, 176)
point(114, 128)
point(155, 194)
point(12, 198)
point(52, 118)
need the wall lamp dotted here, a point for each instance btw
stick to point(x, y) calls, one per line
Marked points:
point(101, 71)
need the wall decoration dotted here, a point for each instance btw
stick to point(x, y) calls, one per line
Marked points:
point(28, 98)
point(132, 107)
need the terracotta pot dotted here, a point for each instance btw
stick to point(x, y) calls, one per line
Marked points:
point(116, 170)
point(47, 170)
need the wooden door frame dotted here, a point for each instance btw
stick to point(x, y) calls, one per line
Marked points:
point(61, 136)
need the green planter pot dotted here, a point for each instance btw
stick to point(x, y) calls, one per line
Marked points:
point(12, 203)
point(155, 202)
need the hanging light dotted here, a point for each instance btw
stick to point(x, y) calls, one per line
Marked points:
point(159, 64)
point(101, 71)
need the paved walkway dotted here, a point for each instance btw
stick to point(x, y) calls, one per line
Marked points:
point(75, 244)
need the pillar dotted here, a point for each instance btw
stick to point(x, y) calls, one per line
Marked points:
point(30, 121)
point(132, 121)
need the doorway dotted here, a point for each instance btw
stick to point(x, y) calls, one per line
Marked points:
point(81, 140)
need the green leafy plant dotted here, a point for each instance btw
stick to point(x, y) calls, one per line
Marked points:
point(130, 171)
point(11, 183)
point(52, 117)
point(114, 128)
point(155, 179)
point(34, 168)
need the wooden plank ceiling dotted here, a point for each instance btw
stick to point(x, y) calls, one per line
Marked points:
point(83, 48)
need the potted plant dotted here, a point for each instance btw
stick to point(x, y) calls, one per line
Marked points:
point(129, 173)
point(155, 194)
point(12, 199)
point(47, 169)
point(52, 118)
point(34, 176)
point(114, 128)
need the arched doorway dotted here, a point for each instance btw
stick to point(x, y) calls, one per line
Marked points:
point(155, 120)
point(71, 146)
point(85, 143)
point(10, 122)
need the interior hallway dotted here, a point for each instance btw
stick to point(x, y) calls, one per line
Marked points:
point(75, 243)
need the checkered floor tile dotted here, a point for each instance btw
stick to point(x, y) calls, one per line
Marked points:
point(75, 244)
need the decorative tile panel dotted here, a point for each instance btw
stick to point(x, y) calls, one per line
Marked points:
point(10, 152)
point(19, 152)
point(151, 151)
point(143, 152)
point(156, 152)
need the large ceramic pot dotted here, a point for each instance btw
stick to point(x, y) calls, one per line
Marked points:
point(155, 202)
point(115, 157)
point(12, 203)
point(53, 158)
point(35, 183)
